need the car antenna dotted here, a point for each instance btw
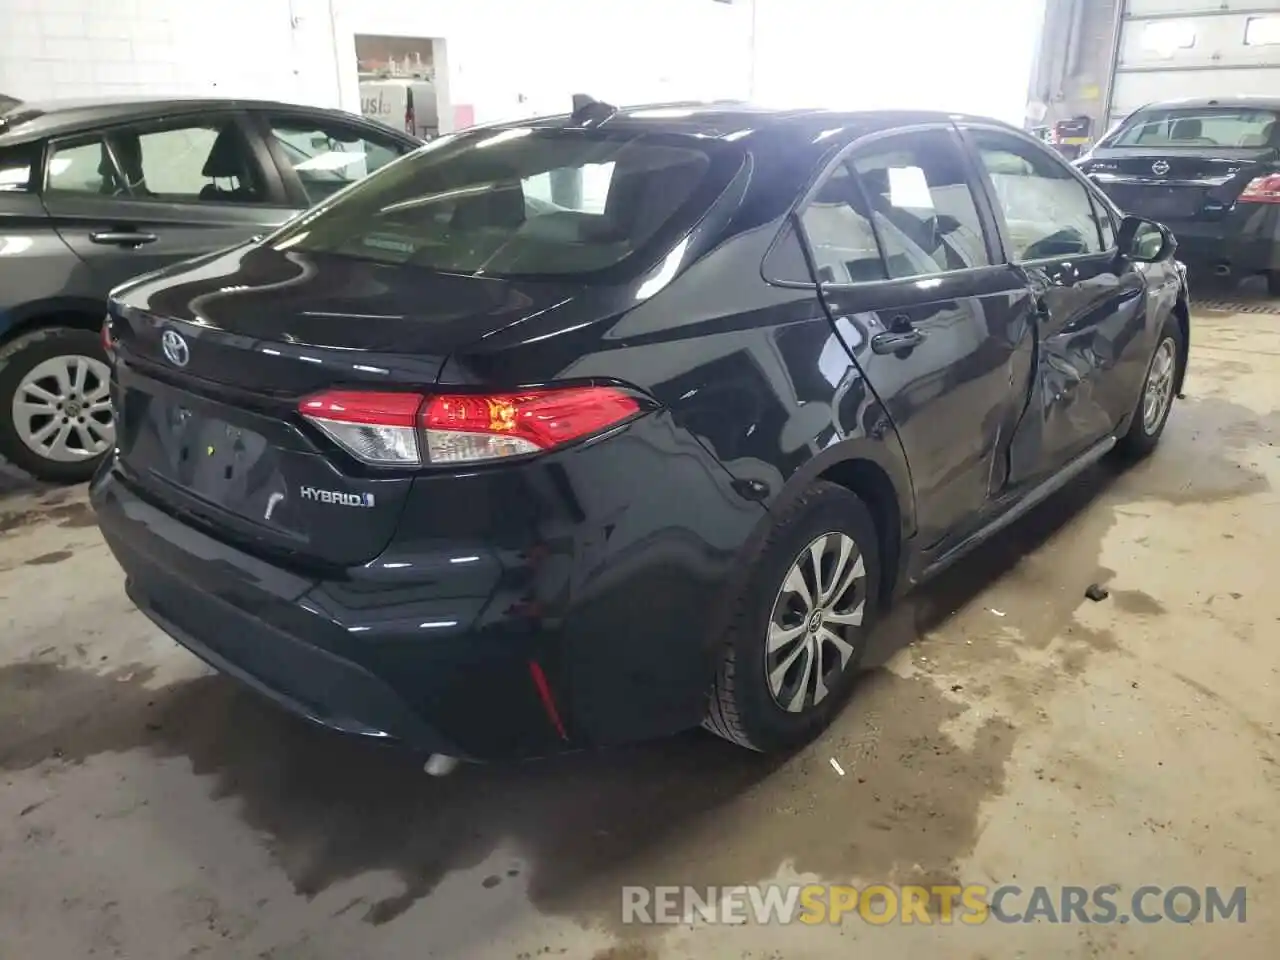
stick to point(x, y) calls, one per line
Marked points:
point(588, 111)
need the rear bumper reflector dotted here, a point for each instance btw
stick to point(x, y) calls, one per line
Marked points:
point(548, 700)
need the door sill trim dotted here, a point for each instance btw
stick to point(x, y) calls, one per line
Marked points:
point(1019, 507)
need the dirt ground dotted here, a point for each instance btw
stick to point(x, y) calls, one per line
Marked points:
point(1009, 731)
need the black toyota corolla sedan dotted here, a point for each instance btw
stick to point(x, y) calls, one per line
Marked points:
point(598, 427)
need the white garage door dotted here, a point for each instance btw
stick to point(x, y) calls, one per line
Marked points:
point(1196, 48)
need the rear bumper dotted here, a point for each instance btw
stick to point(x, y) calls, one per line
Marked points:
point(253, 622)
point(577, 577)
point(1245, 241)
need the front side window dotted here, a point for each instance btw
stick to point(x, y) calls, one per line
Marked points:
point(328, 156)
point(1106, 224)
point(1048, 212)
point(921, 204)
point(523, 202)
point(1198, 127)
point(203, 162)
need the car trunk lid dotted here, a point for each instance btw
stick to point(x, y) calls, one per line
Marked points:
point(1168, 186)
point(213, 360)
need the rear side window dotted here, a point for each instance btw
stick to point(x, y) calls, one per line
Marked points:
point(1199, 127)
point(901, 207)
point(921, 204)
point(195, 162)
point(16, 166)
point(523, 202)
point(841, 237)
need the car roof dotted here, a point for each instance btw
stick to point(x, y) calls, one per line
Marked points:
point(730, 119)
point(1240, 101)
point(34, 120)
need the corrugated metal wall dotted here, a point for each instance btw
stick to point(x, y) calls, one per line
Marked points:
point(1196, 48)
point(1206, 51)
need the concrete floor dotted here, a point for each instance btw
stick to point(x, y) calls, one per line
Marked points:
point(1012, 731)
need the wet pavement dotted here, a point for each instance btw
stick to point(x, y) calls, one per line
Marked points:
point(1007, 731)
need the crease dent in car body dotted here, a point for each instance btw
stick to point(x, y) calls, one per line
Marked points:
point(592, 428)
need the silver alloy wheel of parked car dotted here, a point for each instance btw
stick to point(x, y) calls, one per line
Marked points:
point(1158, 390)
point(823, 594)
point(62, 409)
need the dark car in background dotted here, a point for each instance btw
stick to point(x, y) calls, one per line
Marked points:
point(436, 465)
point(95, 193)
point(1209, 170)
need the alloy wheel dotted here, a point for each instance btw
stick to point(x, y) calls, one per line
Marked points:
point(810, 637)
point(1158, 391)
point(62, 409)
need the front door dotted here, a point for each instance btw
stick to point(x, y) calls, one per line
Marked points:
point(139, 197)
point(942, 331)
point(1089, 301)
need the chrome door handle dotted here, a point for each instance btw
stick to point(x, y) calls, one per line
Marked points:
point(891, 341)
point(123, 238)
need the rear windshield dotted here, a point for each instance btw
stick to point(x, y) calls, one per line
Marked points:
point(522, 202)
point(1199, 127)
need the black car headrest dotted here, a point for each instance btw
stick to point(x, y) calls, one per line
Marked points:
point(644, 193)
point(500, 206)
point(226, 157)
point(1188, 128)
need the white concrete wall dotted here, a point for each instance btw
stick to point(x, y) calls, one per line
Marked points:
point(505, 57)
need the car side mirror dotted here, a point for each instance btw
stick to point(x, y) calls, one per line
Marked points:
point(1146, 241)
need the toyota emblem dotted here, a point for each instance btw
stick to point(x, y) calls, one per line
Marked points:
point(175, 348)
point(1160, 168)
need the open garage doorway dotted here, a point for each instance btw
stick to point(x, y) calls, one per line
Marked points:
point(404, 83)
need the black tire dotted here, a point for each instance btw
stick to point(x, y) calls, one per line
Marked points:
point(1141, 437)
point(742, 706)
point(19, 357)
point(1273, 283)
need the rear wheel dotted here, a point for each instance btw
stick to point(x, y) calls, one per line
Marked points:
point(55, 404)
point(1273, 283)
point(1152, 412)
point(800, 625)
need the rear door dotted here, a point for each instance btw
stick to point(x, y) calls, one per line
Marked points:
point(1090, 301)
point(942, 330)
point(133, 198)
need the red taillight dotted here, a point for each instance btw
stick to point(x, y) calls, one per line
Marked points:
point(1262, 190)
point(374, 427)
point(462, 428)
point(548, 699)
point(411, 429)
